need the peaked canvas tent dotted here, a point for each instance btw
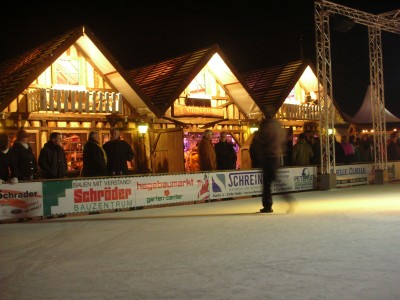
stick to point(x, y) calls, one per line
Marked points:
point(364, 114)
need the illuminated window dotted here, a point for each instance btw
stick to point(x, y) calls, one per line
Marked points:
point(67, 71)
point(198, 85)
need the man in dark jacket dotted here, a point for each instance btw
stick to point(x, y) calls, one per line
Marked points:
point(52, 160)
point(94, 157)
point(119, 152)
point(27, 168)
point(393, 148)
point(226, 154)
point(8, 167)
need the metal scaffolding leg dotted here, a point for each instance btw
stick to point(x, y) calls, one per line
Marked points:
point(378, 104)
point(327, 111)
point(376, 23)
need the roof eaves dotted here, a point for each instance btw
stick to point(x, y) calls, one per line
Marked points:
point(46, 54)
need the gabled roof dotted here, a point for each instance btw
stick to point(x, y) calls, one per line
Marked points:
point(272, 85)
point(164, 82)
point(364, 114)
point(18, 73)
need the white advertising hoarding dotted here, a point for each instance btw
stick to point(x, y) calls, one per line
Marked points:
point(22, 200)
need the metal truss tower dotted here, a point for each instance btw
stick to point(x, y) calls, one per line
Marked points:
point(390, 22)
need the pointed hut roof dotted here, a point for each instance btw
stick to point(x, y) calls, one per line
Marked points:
point(18, 73)
point(163, 82)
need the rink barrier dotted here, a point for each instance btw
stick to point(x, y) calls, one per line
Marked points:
point(52, 198)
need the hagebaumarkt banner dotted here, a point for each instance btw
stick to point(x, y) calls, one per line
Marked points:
point(88, 195)
point(166, 189)
point(22, 200)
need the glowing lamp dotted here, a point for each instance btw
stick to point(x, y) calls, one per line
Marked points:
point(253, 128)
point(143, 128)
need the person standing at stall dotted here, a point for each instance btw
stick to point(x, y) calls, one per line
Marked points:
point(8, 167)
point(119, 153)
point(225, 153)
point(207, 156)
point(27, 167)
point(393, 147)
point(52, 160)
point(302, 152)
point(94, 157)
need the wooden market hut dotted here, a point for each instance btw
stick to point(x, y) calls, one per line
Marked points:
point(190, 93)
point(71, 84)
point(289, 91)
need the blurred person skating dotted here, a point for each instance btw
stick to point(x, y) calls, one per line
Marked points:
point(52, 160)
point(119, 153)
point(94, 157)
point(266, 149)
point(27, 167)
point(225, 153)
point(207, 156)
point(8, 167)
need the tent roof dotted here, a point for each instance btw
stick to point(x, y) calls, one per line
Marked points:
point(364, 114)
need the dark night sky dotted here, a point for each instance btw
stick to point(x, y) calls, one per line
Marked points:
point(251, 34)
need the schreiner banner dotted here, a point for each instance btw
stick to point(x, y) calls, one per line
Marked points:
point(250, 182)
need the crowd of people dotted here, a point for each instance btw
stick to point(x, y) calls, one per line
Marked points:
point(271, 148)
point(18, 163)
point(350, 149)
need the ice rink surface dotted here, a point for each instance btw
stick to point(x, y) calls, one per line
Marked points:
point(337, 244)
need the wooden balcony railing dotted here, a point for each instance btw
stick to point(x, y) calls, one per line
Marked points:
point(73, 101)
point(298, 112)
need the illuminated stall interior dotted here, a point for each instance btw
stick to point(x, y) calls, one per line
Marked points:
point(194, 92)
